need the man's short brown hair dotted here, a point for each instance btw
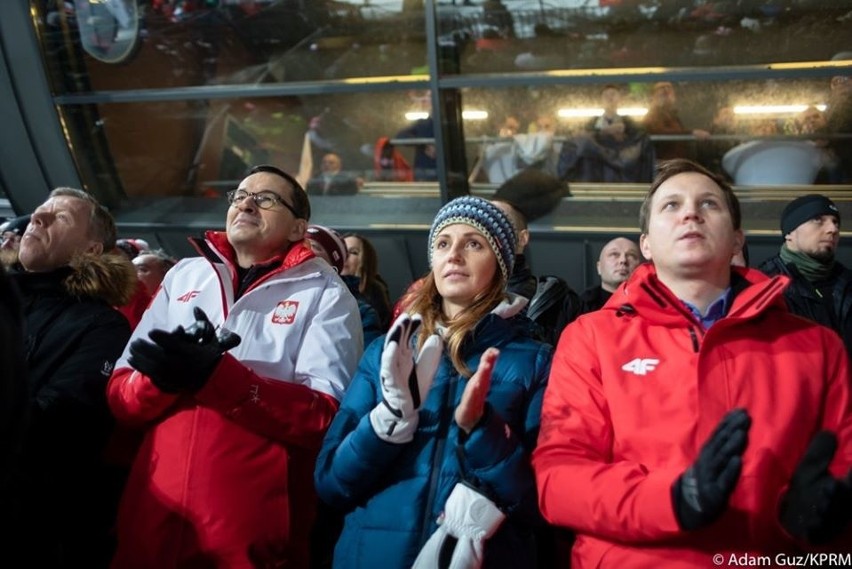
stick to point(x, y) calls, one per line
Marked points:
point(101, 222)
point(670, 168)
point(301, 204)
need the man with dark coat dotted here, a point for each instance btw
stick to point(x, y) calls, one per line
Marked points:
point(13, 406)
point(72, 338)
point(820, 287)
point(332, 180)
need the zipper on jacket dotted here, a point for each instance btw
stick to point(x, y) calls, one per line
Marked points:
point(435, 470)
point(695, 345)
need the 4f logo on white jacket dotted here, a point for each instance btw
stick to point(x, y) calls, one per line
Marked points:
point(641, 366)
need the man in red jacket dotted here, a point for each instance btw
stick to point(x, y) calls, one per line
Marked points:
point(693, 420)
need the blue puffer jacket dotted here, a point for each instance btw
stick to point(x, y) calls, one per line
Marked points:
point(393, 494)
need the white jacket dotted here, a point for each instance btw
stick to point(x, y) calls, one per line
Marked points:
point(298, 324)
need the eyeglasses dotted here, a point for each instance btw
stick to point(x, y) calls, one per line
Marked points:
point(263, 200)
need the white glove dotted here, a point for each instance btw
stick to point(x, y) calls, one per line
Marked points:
point(470, 518)
point(405, 382)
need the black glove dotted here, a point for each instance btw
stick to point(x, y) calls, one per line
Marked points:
point(701, 494)
point(817, 506)
point(181, 360)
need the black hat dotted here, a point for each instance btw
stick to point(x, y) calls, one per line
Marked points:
point(806, 208)
point(16, 225)
point(533, 193)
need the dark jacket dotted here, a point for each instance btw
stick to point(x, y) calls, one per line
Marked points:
point(72, 339)
point(370, 321)
point(522, 282)
point(552, 308)
point(804, 299)
point(13, 405)
point(393, 494)
point(425, 164)
point(599, 158)
point(338, 185)
point(593, 299)
point(376, 294)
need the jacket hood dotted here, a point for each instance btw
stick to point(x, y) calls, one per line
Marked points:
point(108, 277)
point(111, 278)
point(643, 292)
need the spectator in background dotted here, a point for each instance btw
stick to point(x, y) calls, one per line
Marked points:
point(610, 125)
point(526, 196)
point(612, 148)
point(402, 458)
point(223, 476)
point(131, 247)
point(509, 128)
point(72, 338)
point(362, 262)
point(711, 152)
point(838, 118)
point(151, 268)
point(11, 231)
point(812, 122)
point(617, 261)
point(820, 287)
point(425, 161)
point(665, 438)
point(664, 118)
point(327, 244)
point(521, 282)
point(498, 16)
point(135, 307)
point(332, 181)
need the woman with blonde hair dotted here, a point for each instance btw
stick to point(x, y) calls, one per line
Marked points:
point(441, 417)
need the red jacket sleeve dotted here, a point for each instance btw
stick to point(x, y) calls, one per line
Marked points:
point(134, 400)
point(283, 411)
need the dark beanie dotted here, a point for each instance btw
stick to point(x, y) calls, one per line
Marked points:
point(806, 208)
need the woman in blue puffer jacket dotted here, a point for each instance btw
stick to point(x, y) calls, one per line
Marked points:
point(429, 453)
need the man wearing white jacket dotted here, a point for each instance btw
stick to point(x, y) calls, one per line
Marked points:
point(235, 373)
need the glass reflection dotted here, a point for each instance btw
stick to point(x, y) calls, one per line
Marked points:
point(498, 36)
point(333, 144)
point(216, 42)
point(615, 133)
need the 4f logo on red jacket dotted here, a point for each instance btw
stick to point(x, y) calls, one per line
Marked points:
point(641, 366)
point(187, 296)
point(285, 312)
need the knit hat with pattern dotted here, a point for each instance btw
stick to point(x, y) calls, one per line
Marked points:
point(486, 218)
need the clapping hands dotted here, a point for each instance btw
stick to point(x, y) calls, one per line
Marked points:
point(183, 359)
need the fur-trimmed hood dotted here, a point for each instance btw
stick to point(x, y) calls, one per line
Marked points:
point(109, 277)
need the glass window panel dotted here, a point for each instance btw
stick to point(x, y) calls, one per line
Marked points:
point(176, 43)
point(497, 36)
point(201, 148)
point(565, 131)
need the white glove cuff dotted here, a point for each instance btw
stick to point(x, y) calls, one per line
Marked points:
point(470, 514)
point(391, 428)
